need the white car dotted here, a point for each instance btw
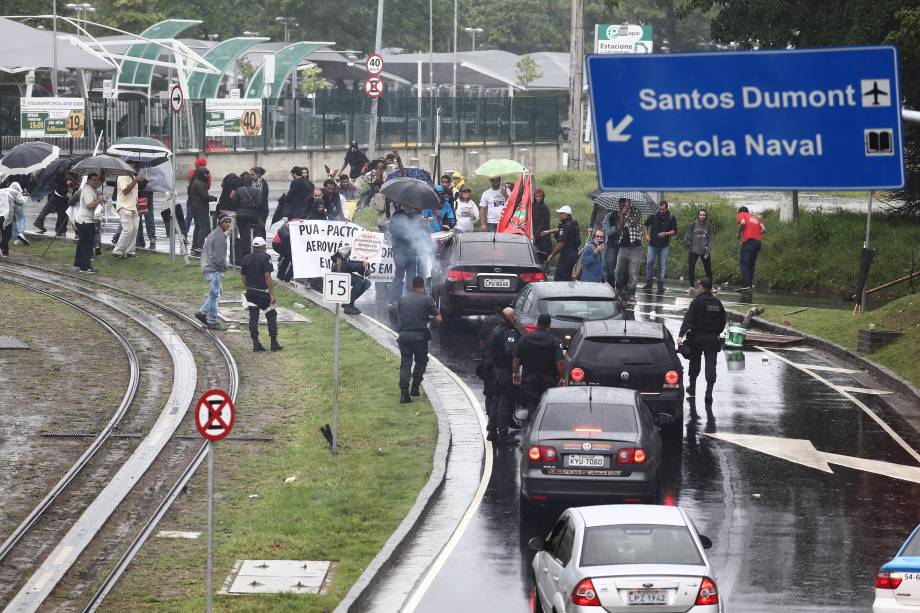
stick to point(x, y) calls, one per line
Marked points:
point(622, 558)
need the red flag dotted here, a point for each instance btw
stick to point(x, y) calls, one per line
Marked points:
point(516, 218)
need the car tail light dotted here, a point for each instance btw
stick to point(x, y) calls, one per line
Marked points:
point(577, 375)
point(528, 328)
point(708, 594)
point(460, 275)
point(888, 581)
point(541, 454)
point(532, 277)
point(584, 595)
point(628, 455)
point(589, 429)
point(671, 379)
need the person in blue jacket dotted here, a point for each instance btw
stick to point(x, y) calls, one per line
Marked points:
point(592, 259)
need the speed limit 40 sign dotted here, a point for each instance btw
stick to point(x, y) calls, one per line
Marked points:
point(374, 64)
point(337, 287)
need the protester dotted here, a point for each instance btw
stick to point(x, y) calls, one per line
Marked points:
point(404, 233)
point(750, 233)
point(448, 194)
point(538, 363)
point(630, 254)
point(701, 327)
point(503, 344)
point(333, 201)
point(126, 206)
point(198, 206)
point(58, 202)
point(592, 259)
point(659, 228)
point(317, 210)
point(248, 206)
point(260, 185)
point(281, 243)
point(612, 241)
point(200, 162)
point(414, 310)
point(568, 240)
point(84, 222)
point(358, 270)
point(446, 213)
point(698, 241)
point(467, 212)
point(433, 219)
point(213, 266)
point(541, 223)
point(347, 189)
point(256, 273)
point(11, 203)
point(491, 205)
point(355, 159)
point(17, 211)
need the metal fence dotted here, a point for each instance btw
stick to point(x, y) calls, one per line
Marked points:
point(326, 121)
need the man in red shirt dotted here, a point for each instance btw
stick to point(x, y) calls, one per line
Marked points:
point(750, 233)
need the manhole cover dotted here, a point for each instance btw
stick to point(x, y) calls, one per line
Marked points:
point(9, 342)
point(277, 576)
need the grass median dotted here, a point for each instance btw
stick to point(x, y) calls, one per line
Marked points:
point(341, 508)
point(842, 327)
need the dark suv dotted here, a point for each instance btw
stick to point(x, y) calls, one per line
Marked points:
point(477, 271)
point(637, 355)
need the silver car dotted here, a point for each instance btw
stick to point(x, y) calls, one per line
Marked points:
point(624, 558)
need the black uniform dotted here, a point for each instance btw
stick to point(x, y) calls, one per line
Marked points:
point(538, 353)
point(484, 371)
point(415, 310)
point(704, 321)
point(504, 339)
point(569, 234)
point(254, 266)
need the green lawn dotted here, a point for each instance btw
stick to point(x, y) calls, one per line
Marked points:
point(843, 327)
point(341, 508)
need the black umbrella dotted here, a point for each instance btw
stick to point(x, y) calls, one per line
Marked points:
point(111, 167)
point(49, 176)
point(27, 158)
point(411, 193)
point(610, 200)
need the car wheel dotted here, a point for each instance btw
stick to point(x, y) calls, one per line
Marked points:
point(446, 315)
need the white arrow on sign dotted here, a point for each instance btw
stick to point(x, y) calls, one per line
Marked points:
point(615, 134)
point(803, 452)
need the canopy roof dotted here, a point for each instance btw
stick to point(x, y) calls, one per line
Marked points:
point(222, 56)
point(286, 60)
point(24, 48)
point(139, 74)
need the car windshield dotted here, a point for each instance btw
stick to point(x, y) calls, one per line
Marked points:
point(639, 544)
point(580, 309)
point(912, 547)
point(495, 253)
point(624, 351)
point(584, 417)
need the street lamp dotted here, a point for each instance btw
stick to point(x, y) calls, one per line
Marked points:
point(81, 9)
point(213, 37)
point(287, 21)
point(473, 32)
point(248, 33)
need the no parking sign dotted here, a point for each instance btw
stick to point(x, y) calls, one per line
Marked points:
point(214, 415)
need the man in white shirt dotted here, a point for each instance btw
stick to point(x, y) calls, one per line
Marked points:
point(467, 212)
point(126, 207)
point(491, 204)
point(85, 224)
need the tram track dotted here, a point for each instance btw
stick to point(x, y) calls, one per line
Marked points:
point(92, 289)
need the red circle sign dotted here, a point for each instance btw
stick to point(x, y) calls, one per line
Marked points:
point(176, 98)
point(373, 87)
point(214, 415)
point(374, 64)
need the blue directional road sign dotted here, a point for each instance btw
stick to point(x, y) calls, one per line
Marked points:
point(820, 119)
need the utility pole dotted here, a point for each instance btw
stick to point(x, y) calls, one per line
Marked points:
point(576, 85)
point(453, 88)
point(54, 61)
point(372, 136)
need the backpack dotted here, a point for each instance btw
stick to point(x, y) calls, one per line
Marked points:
point(579, 264)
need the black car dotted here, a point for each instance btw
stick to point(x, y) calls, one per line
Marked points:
point(569, 303)
point(637, 355)
point(477, 271)
point(590, 444)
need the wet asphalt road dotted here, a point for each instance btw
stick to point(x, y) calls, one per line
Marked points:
point(786, 537)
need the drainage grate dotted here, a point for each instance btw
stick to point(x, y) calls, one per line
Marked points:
point(10, 342)
point(279, 577)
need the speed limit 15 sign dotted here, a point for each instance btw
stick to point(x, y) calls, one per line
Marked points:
point(337, 287)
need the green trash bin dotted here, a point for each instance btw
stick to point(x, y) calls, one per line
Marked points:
point(735, 338)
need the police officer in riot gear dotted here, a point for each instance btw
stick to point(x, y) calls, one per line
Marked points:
point(539, 355)
point(415, 311)
point(504, 338)
point(700, 330)
point(485, 368)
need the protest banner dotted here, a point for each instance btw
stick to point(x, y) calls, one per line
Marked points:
point(314, 242)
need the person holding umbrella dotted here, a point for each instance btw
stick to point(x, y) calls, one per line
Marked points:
point(85, 224)
point(126, 196)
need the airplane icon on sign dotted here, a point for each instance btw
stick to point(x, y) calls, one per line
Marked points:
point(875, 92)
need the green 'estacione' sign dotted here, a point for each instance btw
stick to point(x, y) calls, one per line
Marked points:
point(612, 38)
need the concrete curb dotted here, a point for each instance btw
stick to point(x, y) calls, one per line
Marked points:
point(354, 600)
point(849, 356)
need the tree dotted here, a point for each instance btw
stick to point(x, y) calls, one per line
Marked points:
point(527, 71)
point(311, 80)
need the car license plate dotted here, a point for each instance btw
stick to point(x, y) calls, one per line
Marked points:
point(640, 597)
point(496, 283)
point(585, 461)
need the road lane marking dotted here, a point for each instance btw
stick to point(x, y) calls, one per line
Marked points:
point(810, 370)
point(863, 390)
point(799, 349)
point(823, 368)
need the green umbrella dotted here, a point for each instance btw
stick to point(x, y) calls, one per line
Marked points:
point(498, 168)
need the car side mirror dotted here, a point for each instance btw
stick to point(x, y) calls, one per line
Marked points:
point(522, 415)
point(664, 419)
point(538, 543)
point(706, 541)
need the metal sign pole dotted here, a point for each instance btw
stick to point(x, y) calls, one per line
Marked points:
point(210, 524)
point(335, 383)
point(862, 300)
point(172, 223)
